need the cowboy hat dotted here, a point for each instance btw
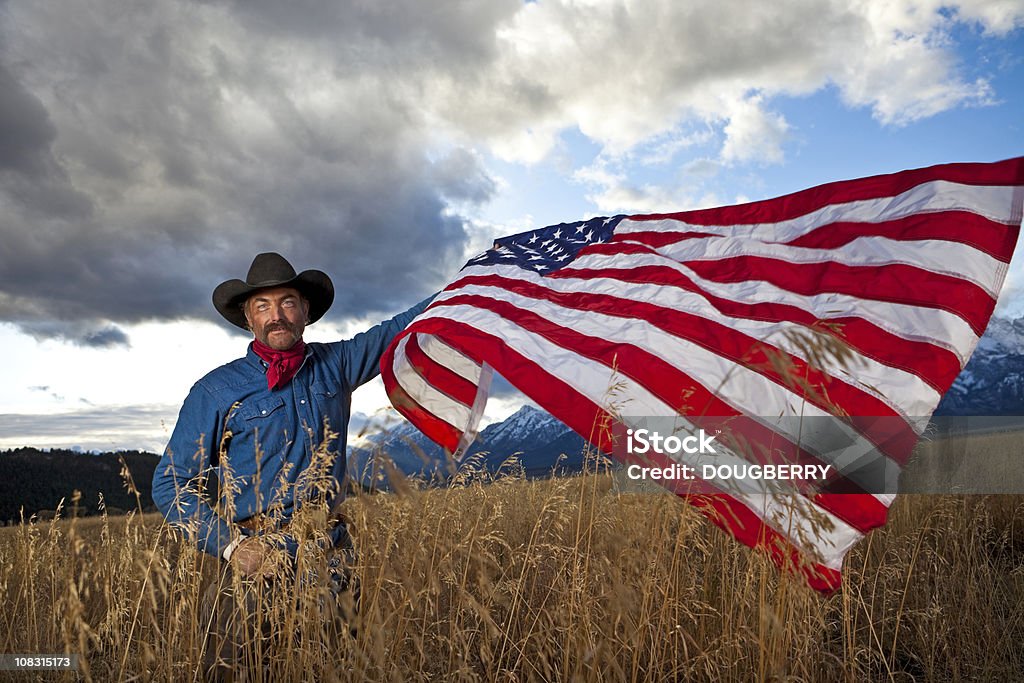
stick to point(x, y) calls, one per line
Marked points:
point(273, 270)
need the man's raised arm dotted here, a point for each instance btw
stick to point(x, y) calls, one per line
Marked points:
point(361, 354)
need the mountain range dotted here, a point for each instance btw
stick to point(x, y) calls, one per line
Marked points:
point(992, 383)
point(530, 442)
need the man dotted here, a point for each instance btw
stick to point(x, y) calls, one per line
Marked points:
point(261, 419)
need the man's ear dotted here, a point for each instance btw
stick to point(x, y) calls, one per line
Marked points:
point(305, 308)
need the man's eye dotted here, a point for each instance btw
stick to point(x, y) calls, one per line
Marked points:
point(289, 303)
point(262, 307)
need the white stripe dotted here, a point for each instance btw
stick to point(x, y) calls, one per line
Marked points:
point(621, 395)
point(999, 203)
point(896, 318)
point(946, 258)
point(424, 393)
point(903, 391)
point(745, 390)
point(446, 356)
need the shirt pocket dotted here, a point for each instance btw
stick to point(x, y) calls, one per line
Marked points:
point(263, 427)
point(327, 402)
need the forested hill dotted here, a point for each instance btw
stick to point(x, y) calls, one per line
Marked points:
point(37, 480)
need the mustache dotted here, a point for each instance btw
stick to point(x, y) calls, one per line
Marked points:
point(278, 325)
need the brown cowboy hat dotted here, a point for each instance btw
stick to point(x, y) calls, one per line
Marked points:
point(273, 270)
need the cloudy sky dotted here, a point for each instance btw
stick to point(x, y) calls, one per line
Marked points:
point(149, 150)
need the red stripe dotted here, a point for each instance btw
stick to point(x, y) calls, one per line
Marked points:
point(581, 414)
point(455, 386)
point(963, 227)
point(818, 388)
point(1009, 172)
point(863, 512)
point(895, 283)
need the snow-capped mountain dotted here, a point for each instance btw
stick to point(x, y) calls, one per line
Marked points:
point(538, 442)
point(992, 383)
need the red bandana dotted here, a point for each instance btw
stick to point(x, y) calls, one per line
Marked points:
point(281, 365)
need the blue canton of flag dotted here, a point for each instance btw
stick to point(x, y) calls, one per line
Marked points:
point(547, 249)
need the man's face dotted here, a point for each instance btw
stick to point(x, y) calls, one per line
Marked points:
point(277, 317)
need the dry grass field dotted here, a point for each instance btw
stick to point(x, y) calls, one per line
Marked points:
point(566, 579)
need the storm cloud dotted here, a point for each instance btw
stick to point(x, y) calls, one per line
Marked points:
point(148, 155)
point(148, 151)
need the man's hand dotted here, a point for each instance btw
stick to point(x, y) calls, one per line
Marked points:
point(249, 558)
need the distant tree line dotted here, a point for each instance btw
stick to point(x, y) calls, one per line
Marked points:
point(36, 480)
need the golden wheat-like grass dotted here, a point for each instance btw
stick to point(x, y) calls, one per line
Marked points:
point(564, 579)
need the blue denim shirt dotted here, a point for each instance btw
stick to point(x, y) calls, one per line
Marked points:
point(231, 412)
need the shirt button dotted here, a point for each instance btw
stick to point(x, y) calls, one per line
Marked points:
point(303, 401)
point(264, 412)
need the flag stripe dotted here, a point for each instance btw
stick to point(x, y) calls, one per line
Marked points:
point(908, 319)
point(963, 227)
point(934, 256)
point(454, 360)
point(925, 289)
point(993, 238)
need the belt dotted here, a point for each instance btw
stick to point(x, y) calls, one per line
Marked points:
point(261, 523)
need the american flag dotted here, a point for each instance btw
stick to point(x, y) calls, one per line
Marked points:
point(722, 313)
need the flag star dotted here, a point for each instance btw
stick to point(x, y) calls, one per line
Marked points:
point(558, 234)
point(580, 228)
point(545, 243)
point(533, 238)
point(562, 257)
point(589, 236)
point(607, 221)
